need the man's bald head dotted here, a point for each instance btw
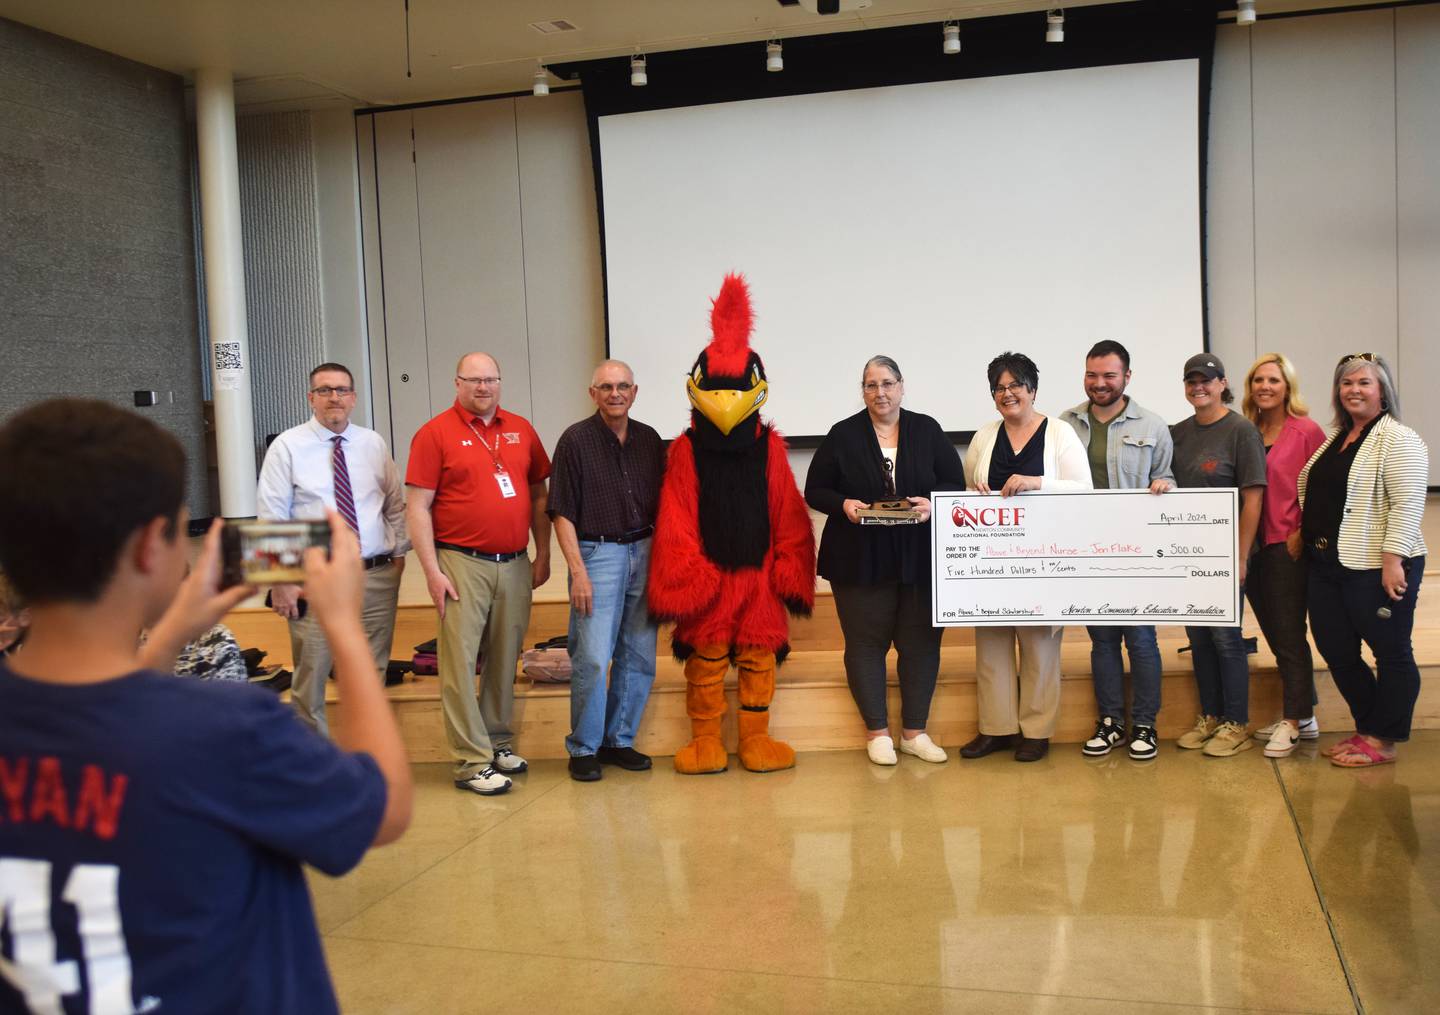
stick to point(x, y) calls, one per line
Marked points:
point(477, 364)
point(609, 366)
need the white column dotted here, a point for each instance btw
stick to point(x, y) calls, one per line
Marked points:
point(225, 291)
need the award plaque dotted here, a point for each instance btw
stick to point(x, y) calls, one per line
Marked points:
point(890, 512)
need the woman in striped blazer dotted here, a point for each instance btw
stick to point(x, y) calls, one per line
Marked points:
point(1363, 496)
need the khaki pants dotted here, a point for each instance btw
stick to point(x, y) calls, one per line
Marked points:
point(1030, 707)
point(313, 660)
point(493, 611)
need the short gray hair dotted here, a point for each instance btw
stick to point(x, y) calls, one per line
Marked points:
point(882, 361)
point(1389, 397)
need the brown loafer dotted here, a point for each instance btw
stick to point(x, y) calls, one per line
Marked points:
point(1032, 749)
point(984, 744)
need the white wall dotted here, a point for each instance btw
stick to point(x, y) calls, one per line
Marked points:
point(1324, 157)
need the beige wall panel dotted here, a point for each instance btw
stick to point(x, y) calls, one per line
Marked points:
point(1324, 102)
point(563, 299)
point(377, 378)
point(342, 295)
point(1230, 207)
point(1417, 82)
point(468, 188)
point(405, 324)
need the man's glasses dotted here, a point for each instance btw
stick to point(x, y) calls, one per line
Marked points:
point(480, 382)
point(327, 391)
point(624, 388)
point(871, 387)
point(1013, 388)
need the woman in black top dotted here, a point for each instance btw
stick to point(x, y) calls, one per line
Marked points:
point(880, 574)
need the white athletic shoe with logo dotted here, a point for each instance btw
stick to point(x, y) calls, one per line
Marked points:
point(1309, 729)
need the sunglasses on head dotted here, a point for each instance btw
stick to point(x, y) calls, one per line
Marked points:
point(1368, 357)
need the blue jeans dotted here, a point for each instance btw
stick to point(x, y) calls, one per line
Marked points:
point(1222, 670)
point(618, 636)
point(1107, 669)
point(1343, 605)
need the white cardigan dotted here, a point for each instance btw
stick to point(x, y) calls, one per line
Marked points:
point(1384, 498)
point(1067, 466)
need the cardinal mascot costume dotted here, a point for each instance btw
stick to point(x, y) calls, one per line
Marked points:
point(734, 548)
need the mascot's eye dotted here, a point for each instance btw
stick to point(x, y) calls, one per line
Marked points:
point(754, 378)
point(695, 374)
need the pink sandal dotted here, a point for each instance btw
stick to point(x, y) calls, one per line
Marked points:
point(1340, 746)
point(1365, 754)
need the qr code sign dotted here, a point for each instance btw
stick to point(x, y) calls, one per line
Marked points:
point(227, 356)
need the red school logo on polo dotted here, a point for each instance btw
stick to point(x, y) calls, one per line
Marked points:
point(987, 517)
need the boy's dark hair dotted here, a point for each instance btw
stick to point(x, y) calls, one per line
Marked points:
point(81, 477)
point(337, 367)
point(1021, 367)
point(1107, 347)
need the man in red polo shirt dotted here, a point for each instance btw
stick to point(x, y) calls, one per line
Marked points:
point(476, 482)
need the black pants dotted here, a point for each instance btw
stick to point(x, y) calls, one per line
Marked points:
point(1345, 610)
point(1277, 589)
point(873, 617)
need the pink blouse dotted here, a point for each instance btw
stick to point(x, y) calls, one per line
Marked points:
point(1299, 438)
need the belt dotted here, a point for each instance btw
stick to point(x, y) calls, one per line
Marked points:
point(629, 537)
point(498, 558)
point(379, 560)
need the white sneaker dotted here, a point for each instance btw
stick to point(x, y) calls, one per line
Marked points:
point(881, 751)
point(1283, 741)
point(508, 761)
point(1309, 729)
point(486, 782)
point(924, 748)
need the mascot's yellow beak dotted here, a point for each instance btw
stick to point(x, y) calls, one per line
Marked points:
point(727, 407)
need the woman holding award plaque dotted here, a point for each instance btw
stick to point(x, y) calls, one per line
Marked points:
point(1020, 451)
point(872, 477)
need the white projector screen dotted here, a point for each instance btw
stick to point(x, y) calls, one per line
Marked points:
point(937, 223)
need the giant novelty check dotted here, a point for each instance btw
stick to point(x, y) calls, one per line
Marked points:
point(1086, 557)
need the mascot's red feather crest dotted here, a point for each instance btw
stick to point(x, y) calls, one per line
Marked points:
point(731, 324)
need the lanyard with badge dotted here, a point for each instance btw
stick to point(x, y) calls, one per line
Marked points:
point(502, 477)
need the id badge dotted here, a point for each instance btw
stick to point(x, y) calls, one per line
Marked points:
point(507, 488)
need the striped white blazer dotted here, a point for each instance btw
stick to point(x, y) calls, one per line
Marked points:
point(1385, 496)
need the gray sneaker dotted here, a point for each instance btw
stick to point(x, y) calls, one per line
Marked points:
point(486, 782)
point(508, 761)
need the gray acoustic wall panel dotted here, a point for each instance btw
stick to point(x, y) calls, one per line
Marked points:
point(97, 269)
point(283, 301)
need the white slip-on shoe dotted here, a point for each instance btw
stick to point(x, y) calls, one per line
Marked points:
point(881, 751)
point(924, 748)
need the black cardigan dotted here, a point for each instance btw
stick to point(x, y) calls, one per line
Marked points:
point(850, 465)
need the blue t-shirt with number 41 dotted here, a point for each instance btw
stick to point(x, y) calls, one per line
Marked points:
point(152, 832)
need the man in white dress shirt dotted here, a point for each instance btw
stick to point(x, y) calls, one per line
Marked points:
point(329, 462)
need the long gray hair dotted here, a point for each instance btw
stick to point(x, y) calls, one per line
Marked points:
point(1389, 397)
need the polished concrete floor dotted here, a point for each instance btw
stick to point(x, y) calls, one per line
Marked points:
point(1071, 885)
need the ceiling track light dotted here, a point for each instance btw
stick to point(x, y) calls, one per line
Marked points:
point(638, 77)
point(951, 34)
point(1055, 25)
point(542, 81)
point(1245, 12)
point(774, 56)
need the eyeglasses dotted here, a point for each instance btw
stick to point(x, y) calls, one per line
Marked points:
point(480, 382)
point(624, 388)
point(1013, 388)
point(871, 387)
point(1368, 357)
point(327, 392)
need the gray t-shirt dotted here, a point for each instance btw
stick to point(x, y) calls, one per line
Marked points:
point(1228, 452)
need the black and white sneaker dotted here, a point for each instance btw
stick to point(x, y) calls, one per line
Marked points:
point(1142, 743)
point(486, 782)
point(1108, 734)
point(508, 761)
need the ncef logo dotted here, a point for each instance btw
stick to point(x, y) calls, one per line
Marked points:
point(987, 517)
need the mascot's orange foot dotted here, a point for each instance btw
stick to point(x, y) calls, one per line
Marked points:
point(704, 755)
point(761, 753)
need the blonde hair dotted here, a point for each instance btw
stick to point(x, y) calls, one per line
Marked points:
point(1294, 403)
